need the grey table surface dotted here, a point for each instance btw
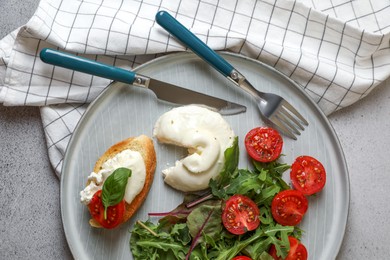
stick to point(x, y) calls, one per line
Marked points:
point(30, 218)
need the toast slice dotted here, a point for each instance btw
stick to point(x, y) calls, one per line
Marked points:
point(144, 145)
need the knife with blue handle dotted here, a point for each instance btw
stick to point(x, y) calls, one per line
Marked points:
point(163, 90)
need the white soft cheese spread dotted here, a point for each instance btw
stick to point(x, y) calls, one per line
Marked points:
point(126, 159)
point(206, 135)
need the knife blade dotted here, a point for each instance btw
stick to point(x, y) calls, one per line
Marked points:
point(163, 90)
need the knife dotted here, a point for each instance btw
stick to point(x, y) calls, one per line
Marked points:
point(163, 91)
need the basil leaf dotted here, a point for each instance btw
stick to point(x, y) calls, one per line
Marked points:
point(114, 188)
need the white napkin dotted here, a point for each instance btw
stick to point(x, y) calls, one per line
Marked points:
point(337, 50)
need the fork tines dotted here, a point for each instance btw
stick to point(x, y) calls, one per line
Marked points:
point(288, 120)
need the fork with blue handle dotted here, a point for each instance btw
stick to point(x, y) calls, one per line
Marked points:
point(274, 109)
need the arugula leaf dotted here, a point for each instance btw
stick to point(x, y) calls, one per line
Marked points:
point(276, 169)
point(265, 256)
point(114, 188)
point(181, 233)
point(217, 191)
point(167, 245)
point(244, 183)
point(258, 243)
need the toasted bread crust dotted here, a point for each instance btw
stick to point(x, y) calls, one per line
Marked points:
point(144, 145)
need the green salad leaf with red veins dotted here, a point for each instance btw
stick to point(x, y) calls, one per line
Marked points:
point(198, 233)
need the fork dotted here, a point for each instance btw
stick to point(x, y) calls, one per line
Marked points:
point(275, 110)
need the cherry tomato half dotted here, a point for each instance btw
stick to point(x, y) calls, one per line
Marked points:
point(241, 257)
point(288, 207)
point(307, 175)
point(240, 214)
point(114, 213)
point(297, 251)
point(263, 144)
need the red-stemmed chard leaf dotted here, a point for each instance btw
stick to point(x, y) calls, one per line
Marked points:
point(205, 219)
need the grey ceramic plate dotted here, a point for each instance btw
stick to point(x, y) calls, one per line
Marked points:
point(122, 111)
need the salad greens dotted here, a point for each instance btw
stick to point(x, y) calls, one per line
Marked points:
point(197, 232)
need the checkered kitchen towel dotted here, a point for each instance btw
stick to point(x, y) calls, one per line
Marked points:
point(337, 50)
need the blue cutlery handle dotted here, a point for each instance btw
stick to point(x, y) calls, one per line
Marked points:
point(174, 27)
point(85, 65)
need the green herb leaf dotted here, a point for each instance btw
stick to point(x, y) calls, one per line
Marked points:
point(205, 219)
point(167, 245)
point(216, 191)
point(232, 157)
point(114, 188)
point(265, 256)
